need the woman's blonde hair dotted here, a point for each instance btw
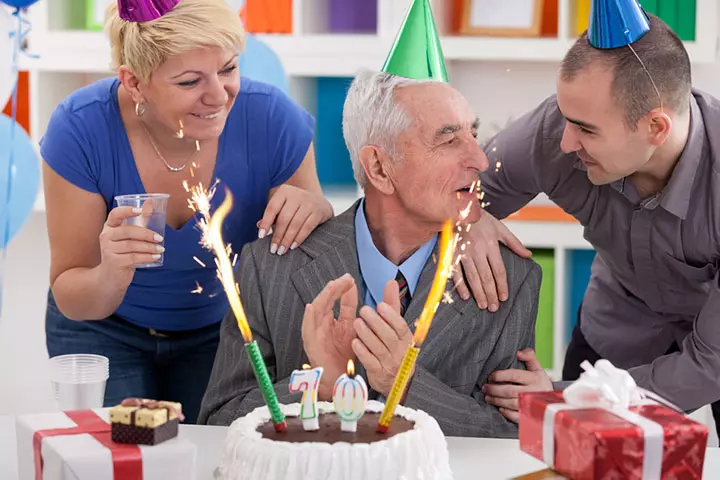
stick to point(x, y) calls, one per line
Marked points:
point(192, 24)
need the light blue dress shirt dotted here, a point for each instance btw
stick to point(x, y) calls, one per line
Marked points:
point(376, 270)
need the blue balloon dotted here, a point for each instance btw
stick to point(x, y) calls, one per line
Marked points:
point(25, 181)
point(19, 3)
point(260, 63)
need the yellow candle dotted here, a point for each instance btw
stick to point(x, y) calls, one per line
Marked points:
point(443, 271)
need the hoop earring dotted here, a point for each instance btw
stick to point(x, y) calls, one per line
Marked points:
point(139, 109)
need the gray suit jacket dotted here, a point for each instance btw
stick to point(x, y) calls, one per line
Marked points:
point(464, 344)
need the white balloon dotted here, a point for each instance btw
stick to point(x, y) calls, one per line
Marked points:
point(7, 74)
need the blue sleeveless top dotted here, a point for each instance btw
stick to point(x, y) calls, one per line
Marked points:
point(264, 141)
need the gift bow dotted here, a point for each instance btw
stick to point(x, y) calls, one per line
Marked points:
point(152, 404)
point(608, 387)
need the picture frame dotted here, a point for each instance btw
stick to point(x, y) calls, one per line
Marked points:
point(502, 18)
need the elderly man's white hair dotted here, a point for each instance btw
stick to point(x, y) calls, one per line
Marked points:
point(371, 116)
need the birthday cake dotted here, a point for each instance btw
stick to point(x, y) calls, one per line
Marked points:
point(413, 448)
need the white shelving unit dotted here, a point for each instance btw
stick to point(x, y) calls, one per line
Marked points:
point(69, 59)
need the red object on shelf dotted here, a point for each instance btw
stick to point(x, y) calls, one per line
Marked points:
point(549, 26)
point(23, 103)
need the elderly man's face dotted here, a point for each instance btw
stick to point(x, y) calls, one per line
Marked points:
point(440, 155)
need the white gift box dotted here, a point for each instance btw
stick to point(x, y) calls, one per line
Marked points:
point(83, 457)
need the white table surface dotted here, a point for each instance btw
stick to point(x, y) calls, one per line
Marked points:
point(470, 458)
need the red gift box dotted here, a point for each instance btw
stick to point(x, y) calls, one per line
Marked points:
point(595, 443)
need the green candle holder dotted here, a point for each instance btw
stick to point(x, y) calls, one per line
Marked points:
point(266, 386)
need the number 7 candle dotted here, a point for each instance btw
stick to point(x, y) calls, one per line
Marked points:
point(443, 271)
point(307, 381)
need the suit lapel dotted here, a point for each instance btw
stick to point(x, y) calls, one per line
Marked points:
point(334, 253)
point(445, 312)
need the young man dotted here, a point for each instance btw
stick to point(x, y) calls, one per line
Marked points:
point(629, 150)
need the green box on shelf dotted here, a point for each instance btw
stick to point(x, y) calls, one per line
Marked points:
point(95, 13)
point(686, 19)
point(668, 12)
point(650, 6)
point(544, 325)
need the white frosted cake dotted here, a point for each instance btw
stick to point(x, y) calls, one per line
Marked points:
point(413, 448)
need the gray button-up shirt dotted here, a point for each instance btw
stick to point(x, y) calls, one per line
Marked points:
point(655, 278)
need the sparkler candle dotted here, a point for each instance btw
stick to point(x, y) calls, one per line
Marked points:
point(350, 397)
point(443, 271)
point(307, 381)
point(213, 239)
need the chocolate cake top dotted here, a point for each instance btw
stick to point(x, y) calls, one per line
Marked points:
point(330, 430)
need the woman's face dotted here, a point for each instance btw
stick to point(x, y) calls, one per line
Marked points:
point(194, 91)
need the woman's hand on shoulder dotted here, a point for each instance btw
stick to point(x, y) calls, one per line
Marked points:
point(291, 215)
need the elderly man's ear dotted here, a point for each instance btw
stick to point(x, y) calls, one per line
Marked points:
point(379, 168)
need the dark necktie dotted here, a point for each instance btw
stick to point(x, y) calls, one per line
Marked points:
point(404, 292)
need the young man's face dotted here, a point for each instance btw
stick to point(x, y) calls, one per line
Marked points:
point(596, 130)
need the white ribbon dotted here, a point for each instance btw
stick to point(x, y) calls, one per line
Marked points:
point(609, 388)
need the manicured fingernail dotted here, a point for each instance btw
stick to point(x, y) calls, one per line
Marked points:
point(156, 257)
point(159, 248)
point(281, 250)
point(158, 237)
point(137, 210)
point(483, 388)
point(261, 233)
point(493, 307)
point(293, 246)
point(483, 306)
point(273, 248)
point(465, 296)
point(270, 231)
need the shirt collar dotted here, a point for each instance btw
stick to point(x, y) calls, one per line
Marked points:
point(676, 195)
point(375, 269)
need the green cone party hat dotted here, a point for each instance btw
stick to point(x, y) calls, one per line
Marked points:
point(417, 52)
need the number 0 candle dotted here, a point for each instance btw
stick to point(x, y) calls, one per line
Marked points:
point(350, 398)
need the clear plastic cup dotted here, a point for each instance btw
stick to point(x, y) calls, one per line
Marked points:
point(154, 206)
point(79, 380)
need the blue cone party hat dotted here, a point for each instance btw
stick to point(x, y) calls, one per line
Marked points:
point(616, 23)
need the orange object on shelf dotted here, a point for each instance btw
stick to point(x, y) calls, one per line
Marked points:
point(267, 16)
point(23, 102)
point(542, 213)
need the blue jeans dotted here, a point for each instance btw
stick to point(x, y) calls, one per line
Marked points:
point(173, 366)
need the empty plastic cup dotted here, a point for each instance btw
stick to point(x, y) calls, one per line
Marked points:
point(153, 216)
point(79, 380)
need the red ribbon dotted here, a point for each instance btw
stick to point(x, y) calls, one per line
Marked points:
point(126, 458)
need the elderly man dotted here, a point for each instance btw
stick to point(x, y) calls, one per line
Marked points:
point(415, 154)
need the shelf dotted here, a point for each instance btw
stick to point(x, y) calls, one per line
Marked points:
point(317, 55)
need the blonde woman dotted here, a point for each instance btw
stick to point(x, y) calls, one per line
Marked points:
point(177, 72)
